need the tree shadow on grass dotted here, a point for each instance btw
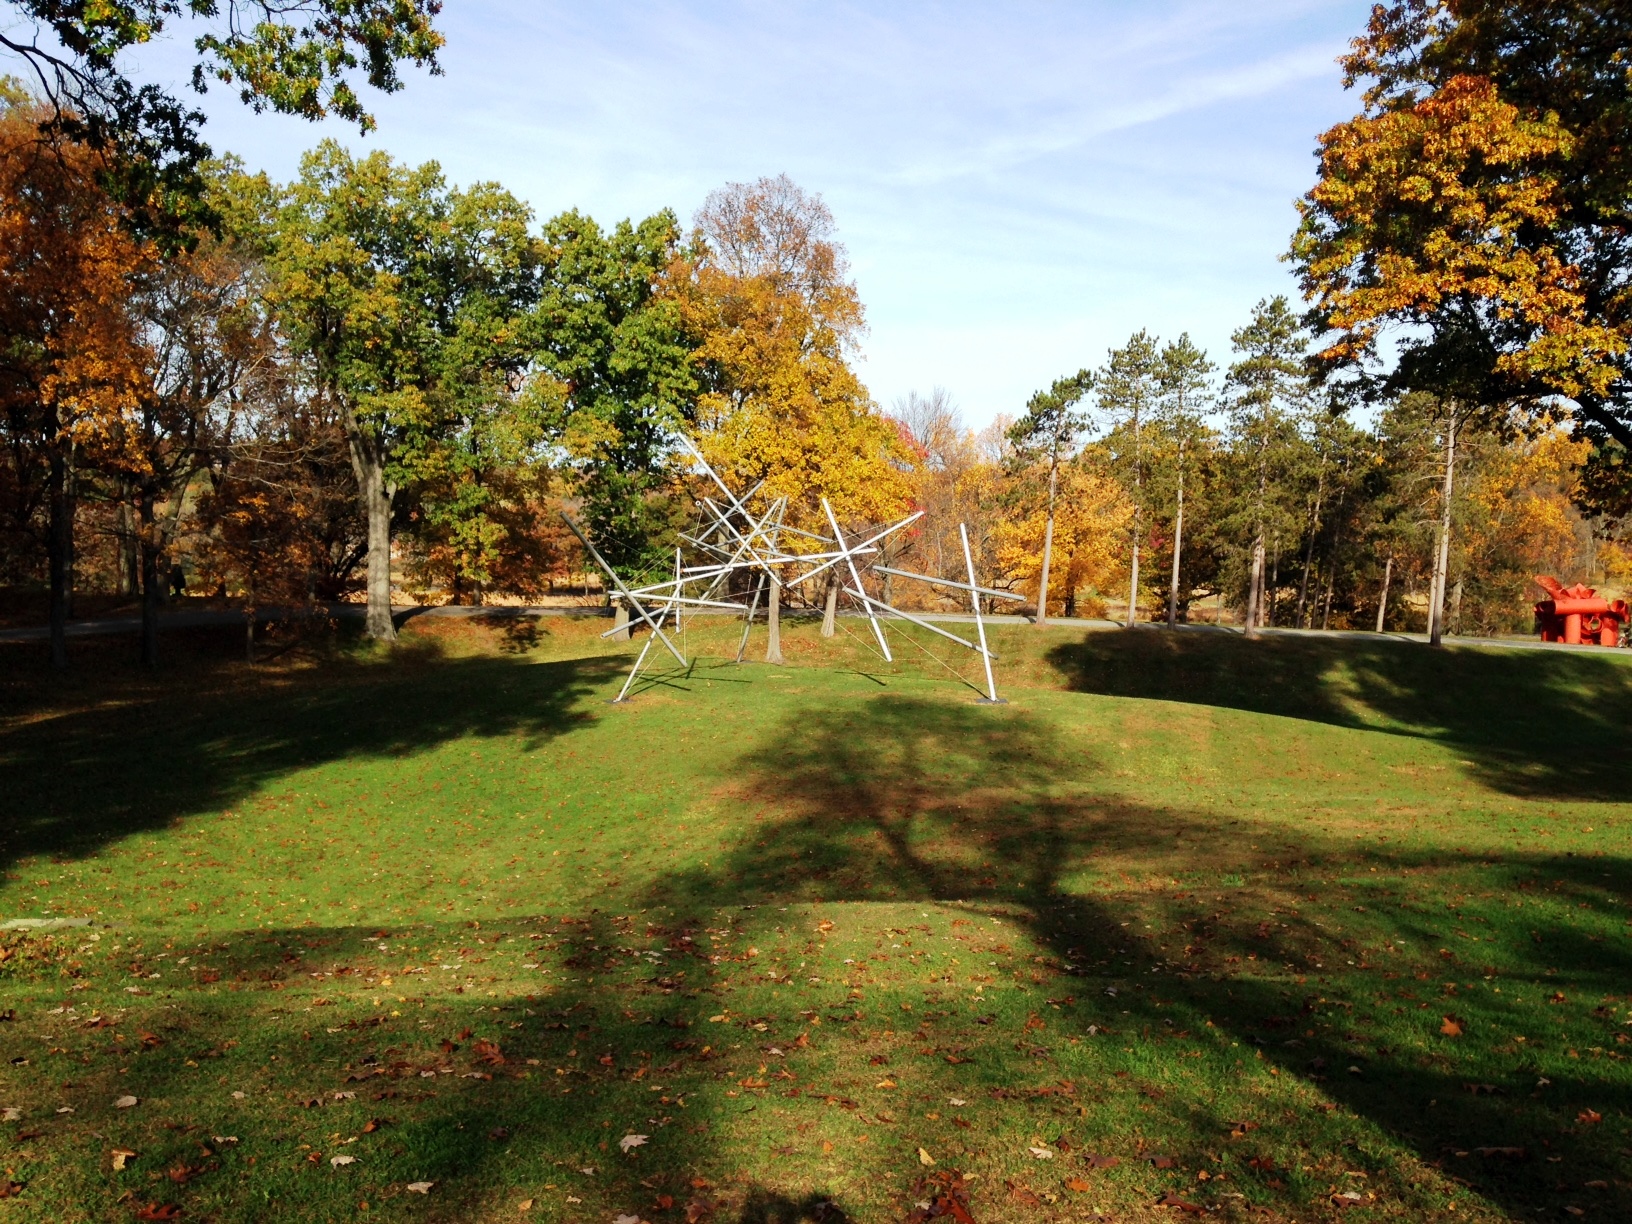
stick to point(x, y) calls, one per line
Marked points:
point(105, 764)
point(1532, 722)
point(471, 1102)
point(902, 799)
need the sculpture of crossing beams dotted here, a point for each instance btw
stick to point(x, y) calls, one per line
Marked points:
point(733, 540)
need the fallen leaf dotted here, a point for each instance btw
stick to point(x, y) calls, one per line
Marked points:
point(629, 1142)
point(12, 1114)
point(125, 1102)
point(1347, 1198)
point(337, 1161)
point(924, 1158)
point(1023, 1194)
point(420, 1187)
point(1162, 1162)
point(1095, 1161)
point(9, 1188)
point(158, 1211)
point(1507, 1153)
point(1169, 1199)
point(1264, 1164)
point(1041, 1153)
point(956, 1103)
point(121, 1156)
point(1589, 1117)
point(525, 1205)
point(1078, 1184)
point(698, 1210)
point(626, 1219)
point(1451, 1027)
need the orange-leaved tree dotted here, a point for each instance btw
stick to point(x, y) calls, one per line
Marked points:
point(774, 322)
point(71, 360)
point(1477, 206)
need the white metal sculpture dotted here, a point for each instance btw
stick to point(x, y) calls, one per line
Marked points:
point(732, 539)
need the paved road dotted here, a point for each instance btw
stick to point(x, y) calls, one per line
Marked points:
point(205, 617)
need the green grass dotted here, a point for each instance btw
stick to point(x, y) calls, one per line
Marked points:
point(1302, 918)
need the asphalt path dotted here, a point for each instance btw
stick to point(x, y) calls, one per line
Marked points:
point(201, 618)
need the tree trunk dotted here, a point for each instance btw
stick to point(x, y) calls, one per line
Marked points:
point(1309, 553)
point(1138, 520)
point(1382, 601)
point(1133, 577)
point(1442, 555)
point(1178, 549)
point(830, 611)
point(1268, 601)
point(129, 565)
point(152, 581)
point(376, 495)
point(60, 557)
point(1255, 587)
point(1048, 549)
point(1331, 581)
point(773, 622)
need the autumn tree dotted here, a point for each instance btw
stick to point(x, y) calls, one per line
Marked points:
point(1478, 202)
point(278, 521)
point(409, 300)
point(944, 454)
point(774, 322)
point(71, 358)
point(1080, 535)
point(204, 332)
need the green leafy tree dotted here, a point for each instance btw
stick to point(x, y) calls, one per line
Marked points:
point(1267, 388)
point(297, 57)
point(410, 300)
point(1047, 436)
point(1184, 383)
point(1128, 388)
point(612, 343)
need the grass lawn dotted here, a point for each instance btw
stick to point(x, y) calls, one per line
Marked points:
point(1287, 931)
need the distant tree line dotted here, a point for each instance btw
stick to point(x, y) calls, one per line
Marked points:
point(369, 380)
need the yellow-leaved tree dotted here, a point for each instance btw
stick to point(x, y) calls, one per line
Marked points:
point(774, 322)
point(1092, 515)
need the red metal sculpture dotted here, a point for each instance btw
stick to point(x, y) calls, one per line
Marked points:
point(1577, 615)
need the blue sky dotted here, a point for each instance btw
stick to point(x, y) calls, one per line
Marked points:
point(1020, 185)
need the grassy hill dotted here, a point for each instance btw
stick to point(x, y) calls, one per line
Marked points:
point(1290, 930)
